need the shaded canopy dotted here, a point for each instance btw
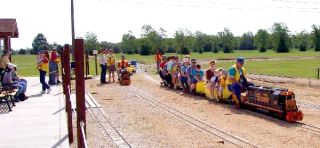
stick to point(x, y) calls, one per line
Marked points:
point(9, 27)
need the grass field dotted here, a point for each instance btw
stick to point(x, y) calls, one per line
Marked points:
point(305, 68)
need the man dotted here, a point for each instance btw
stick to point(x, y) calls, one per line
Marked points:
point(103, 66)
point(122, 66)
point(8, 80)
point(158, 58)
point(237, 80)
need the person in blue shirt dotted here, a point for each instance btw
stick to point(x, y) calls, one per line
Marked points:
point(191, 73)
point(183, 76)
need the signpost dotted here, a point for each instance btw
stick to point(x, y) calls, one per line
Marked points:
point(95, 52)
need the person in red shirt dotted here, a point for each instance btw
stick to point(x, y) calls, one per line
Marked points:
point(162, 67)
point(122, 66)
point(158, 58)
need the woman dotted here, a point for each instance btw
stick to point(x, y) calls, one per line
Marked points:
point(53, 68)
point(43, 66)
point(111, 60)
point(211, 78)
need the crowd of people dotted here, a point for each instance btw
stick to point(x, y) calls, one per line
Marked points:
point(108, 64)
point(188, 73)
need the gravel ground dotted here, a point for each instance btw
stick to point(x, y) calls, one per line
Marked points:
point(144, 125)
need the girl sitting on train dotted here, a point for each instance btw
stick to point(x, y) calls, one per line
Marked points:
point(183, 76)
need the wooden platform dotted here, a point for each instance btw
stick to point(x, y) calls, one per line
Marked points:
point(37, 122)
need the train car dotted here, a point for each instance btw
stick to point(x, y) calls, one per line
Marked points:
point(125, 78)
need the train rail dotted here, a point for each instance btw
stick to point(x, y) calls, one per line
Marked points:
point(108, 129)
point(192, 121)
point(308, 105)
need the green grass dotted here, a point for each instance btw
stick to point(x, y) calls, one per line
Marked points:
point(294, 68)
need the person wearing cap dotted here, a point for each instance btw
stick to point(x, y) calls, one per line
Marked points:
point(122, 65)
point(111, 60)
point(103, 66)
point(158, 58)
point(43, 66)
point(191, 71)
point(183, 75)
point(236, 79)
point(9, 81)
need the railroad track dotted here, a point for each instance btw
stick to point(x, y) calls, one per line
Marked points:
point(108, 129)
point(192, 121)
point(308, 105)
point(311, 128)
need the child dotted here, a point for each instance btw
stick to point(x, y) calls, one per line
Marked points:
point(198, 76)
point(183, 75)
point(223, 85)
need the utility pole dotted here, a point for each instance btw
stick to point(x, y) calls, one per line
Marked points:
point(72, 29)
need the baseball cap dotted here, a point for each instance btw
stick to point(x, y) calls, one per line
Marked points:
point(240, 60)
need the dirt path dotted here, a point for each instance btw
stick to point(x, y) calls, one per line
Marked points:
point(144, 125)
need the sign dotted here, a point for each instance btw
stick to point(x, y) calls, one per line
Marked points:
point(95, 51)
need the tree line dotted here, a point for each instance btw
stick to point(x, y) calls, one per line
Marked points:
point(277, 38)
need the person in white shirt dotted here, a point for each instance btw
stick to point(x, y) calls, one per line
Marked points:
point(103, 66)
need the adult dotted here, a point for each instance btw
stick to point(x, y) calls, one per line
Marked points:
point(43, 67)
point(211, 78)
point(53, 68)
point(3, 63)
point(111, 62)
point(191, 71)
point(8, 81)
point(103, 66)
point(237, 80)
point(158, 58)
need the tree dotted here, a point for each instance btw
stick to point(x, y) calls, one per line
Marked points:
point(91, 42)
point(261, 40)
point(302, 40)
point(153, 39)
point(183, 41)
point(108, 45)
point(129, 43)
point(316, 37)
point(247, 41)
point(22, 51)
point(39, 43)
point(280, 37)
point(227, 41)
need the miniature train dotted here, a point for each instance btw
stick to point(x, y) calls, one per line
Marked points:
point(272, 100)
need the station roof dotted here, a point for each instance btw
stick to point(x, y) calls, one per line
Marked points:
point(9, 27)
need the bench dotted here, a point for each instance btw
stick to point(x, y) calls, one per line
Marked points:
point(7, 94)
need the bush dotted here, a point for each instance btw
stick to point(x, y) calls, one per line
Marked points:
point(171, 50)
point(145, 50)
point(185, 50)
point(22, 51)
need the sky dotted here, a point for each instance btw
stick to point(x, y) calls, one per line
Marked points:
point(110, 19)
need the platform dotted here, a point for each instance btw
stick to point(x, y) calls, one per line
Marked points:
point(38, 122)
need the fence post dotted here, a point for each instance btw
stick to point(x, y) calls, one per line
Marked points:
point(66, 87)
point(80, 90)
point(318, 73)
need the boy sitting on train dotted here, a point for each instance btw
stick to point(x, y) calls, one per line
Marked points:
point(198, 77)
point(167, 75)
point(183, 75)
point(223, 92)
point(191, 73)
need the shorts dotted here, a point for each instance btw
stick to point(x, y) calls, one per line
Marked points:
point(112, 67)
point(183, 79)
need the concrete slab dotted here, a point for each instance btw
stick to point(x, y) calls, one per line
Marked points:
point(38, 122)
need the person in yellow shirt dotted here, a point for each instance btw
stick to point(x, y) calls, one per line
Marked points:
point(43, 66)
point(237, 81)
point(111, 60)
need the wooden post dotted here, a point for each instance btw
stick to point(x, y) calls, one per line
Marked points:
point(95, 62)
point(66, 87)
point(318, 73)
point(80, 90)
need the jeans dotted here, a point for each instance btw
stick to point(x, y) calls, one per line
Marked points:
point(43, 80)
point(236, 89)
point(158, 66)
point(103, 73)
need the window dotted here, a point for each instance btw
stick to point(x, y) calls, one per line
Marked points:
point(1, 45)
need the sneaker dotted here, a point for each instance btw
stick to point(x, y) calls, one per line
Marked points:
point(49, 90)
point(43, 92)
